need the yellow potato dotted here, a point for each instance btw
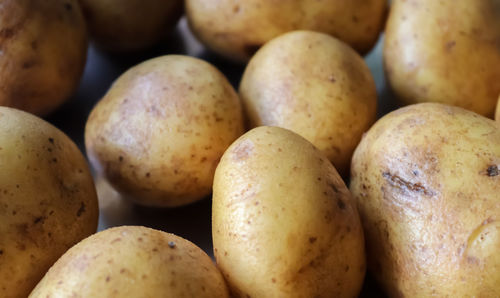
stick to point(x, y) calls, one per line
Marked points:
point(43, 48)
point(130, 25)
point(48, 201)
point(133, 261)
point(159, 132)
point(236, 29)
point(314, 85)
point(427, 182)
point(446, 52)
point(283, 222)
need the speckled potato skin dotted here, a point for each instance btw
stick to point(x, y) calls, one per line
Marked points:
point(48, 201)
point(130, 25)
point(283, 222)
point(236, 29)
point(444, 51)
point(43, 49)
point(159, 132)
point(133, 261)
point(426, 180)
point(314, 85)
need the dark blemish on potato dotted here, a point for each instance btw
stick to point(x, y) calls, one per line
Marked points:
point(34, 45)
point(346, 269)
point(171, 244)
point(123, 270)
point(1, 252)
point(54, 160)
point(139, 239)
point(6, 32)
point(81, 209)
point(355, 19)
point(400, 183)
point(203, 159)
point(51, 140)
point(250, 49)
point(236, 8)
point(39, 219)
point(14, 212)
point(450, 45)
point(108, 278)
point(28, 64)
point(331, 79)
point(415, 173)
point(51, 212)
point(273, 280)
point(333, 187)
point(341, 204)
point(312, 239)
point(120, 158)
point(49, 149)
point(492, 171)
point(148, 175)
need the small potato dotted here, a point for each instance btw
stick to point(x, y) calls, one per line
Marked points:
point(130, 25)
point(427, 182)
point(133, 261)
point(236, 29)
point(43, 49)
point(159, 132)
point(314, 85)
point(283, 222)
point(48, 201)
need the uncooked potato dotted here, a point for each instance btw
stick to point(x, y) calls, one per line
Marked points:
point(48, 201)
point(314, 85)
point(446, 52)
point(283, 222)
point(236, 29)
point(133, 261)
point(159, 132)
point(427, 182)
point(130, 25)
point(43, 48)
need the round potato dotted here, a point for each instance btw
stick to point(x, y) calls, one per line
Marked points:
point(446, 52)
point(48, 201)
point(236, 29)
point(283, 222)
point(133, 261)
point(43, 48)
point(159, 132)
point(427, 182)
point(130, 25)
point(314, 85)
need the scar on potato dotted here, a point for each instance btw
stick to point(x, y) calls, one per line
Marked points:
point(400, 183)
point(243, 150)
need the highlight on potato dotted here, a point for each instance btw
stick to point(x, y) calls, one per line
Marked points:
point(314, 85)
point(160, 130)
point(43, 49)
point(48, 201)
point(133, 261)
point(283, 222)
point(427, 182)
point(236, 29)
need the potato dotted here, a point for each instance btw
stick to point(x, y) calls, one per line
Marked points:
point(427, 183)
point(48, 201)
point(283, 222)
point(446, 52)
point(236, 29)
point(130, 25)
point(314, 85)
point(133, 261)
point(159, 132)
point(43, 48)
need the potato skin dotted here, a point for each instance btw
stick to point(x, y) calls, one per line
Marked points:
point(446, 52)
point(314, 85)
point(159, 132)
point(283, 222)
point(130, 25)
point(133, 261)
point(43, 53)
point(426, 180)
point(48, 201)
point(236, 29)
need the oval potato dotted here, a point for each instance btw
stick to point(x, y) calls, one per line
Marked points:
point(48, 201)
point(283, 222)
point(160, 130)
point(314, 85)
point(43, 53)
point(427, 182)
point(133, 261)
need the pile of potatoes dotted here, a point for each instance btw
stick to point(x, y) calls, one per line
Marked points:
point(309, 190)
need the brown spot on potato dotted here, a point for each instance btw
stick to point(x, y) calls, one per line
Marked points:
point(1, 252)
point(120, 158)
point(312, 239)
point(81, 209)
point(492, 171)
point(7, 33)
point(273, 280)
point(51, 140)
point(28, 64)
point(450, 45)
point(400, 183)
point(341, 204)
point(108, 278)
point(171, 244)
